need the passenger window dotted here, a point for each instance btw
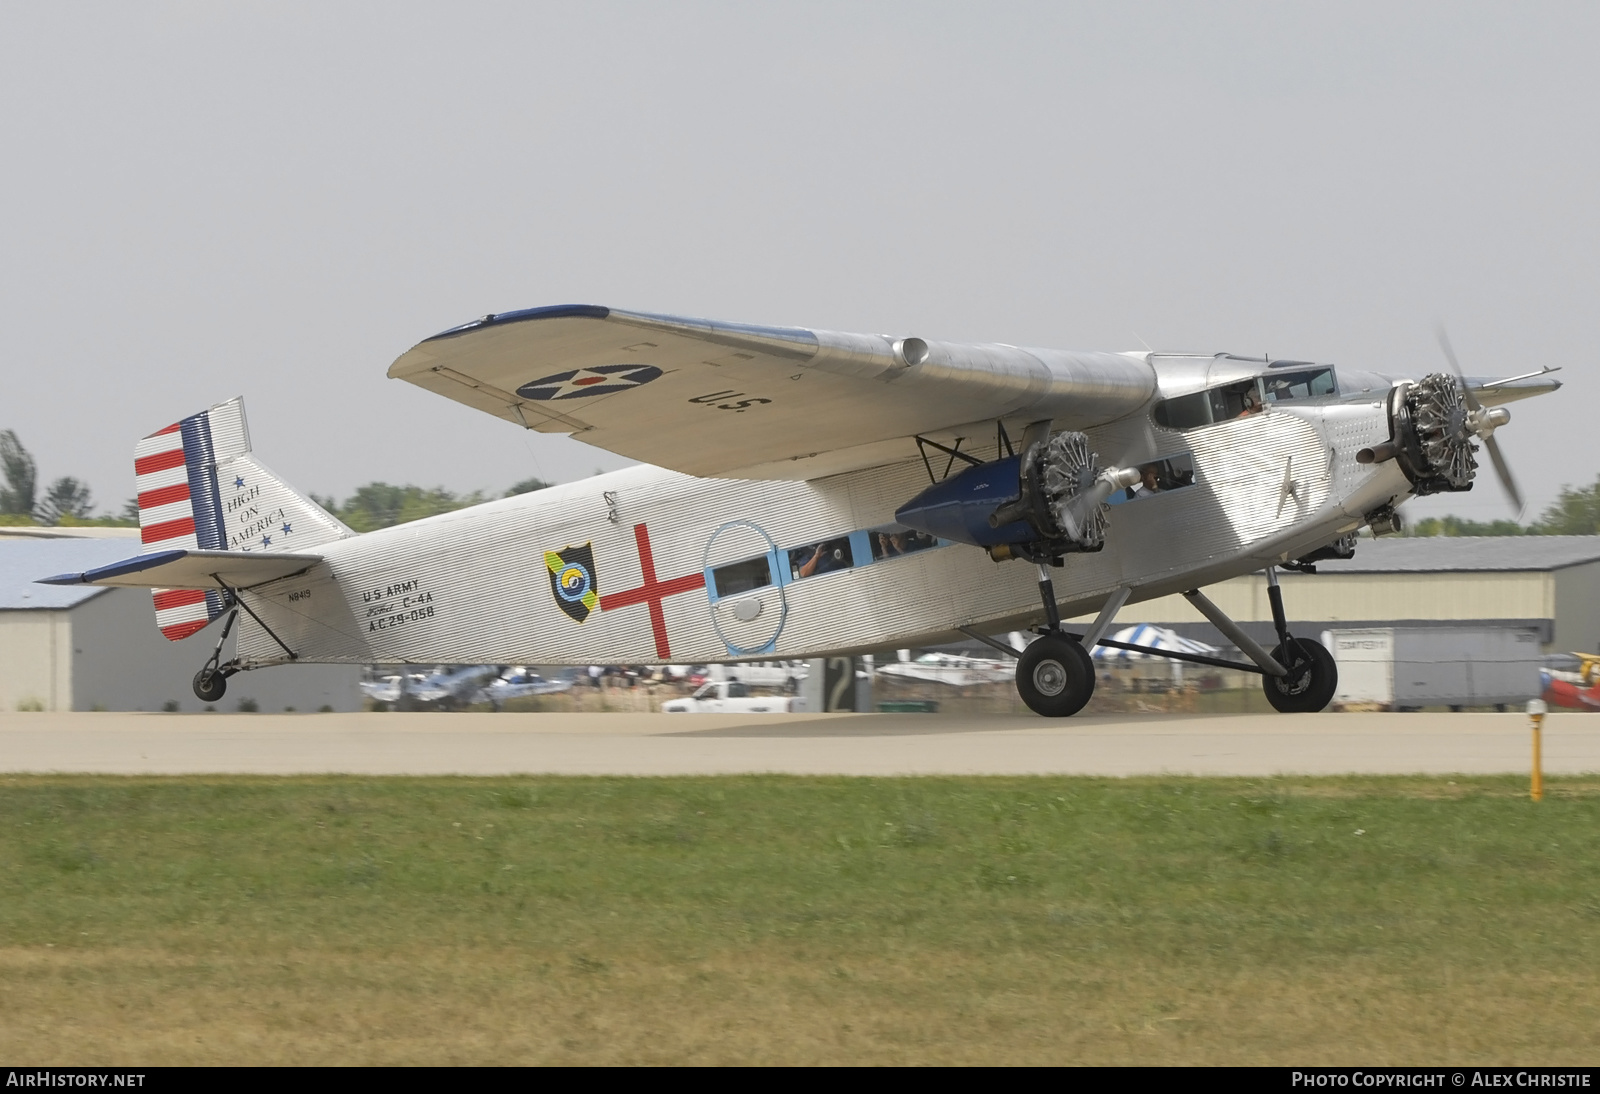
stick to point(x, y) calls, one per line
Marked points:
point(1158, 477)
point(821, 558)
point(741, 577)
point(894, 540)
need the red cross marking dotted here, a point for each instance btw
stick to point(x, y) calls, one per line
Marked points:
point(652, 591)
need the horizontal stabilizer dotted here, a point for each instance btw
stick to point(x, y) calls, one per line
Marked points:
point(191, 570)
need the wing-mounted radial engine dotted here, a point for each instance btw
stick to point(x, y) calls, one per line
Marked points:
point(1046, 503)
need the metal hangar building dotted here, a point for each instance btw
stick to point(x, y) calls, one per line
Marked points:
point(87, 647)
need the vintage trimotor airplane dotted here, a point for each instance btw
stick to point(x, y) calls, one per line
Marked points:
point(808, 492)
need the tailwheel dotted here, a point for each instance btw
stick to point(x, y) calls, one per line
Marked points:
point(1055, 676)
point(1310, 683)
point(210, 684)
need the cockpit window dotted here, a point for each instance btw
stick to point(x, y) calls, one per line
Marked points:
point(1235, 400)
point(1243, 397)
point(1307, 384)
point(1185, 412)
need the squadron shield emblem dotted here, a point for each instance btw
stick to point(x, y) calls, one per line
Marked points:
point(572, 580)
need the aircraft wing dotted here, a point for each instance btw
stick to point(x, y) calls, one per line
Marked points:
point(191, 570)
point(729, 400)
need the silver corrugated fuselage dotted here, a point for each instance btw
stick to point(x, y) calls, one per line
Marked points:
point(475, 586)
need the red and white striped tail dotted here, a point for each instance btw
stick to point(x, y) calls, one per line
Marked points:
point(178, 510)
point(183, 473)
point(166, 509)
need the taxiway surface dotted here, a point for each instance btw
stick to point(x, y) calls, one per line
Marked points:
point(711, 744)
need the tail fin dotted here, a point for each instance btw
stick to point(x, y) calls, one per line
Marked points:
point(201, 489)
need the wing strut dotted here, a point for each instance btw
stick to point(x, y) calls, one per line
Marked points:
point(955, 454)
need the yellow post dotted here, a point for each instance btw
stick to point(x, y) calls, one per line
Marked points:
point(1536, 712)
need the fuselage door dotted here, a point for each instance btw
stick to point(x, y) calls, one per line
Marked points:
point(745, 589)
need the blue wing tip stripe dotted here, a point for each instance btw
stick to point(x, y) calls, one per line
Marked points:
point(115, 569)
point(555, 311)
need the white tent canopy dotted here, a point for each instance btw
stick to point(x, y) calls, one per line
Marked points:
point(1147, 634)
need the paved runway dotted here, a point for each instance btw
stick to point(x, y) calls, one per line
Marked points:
point(867, 744)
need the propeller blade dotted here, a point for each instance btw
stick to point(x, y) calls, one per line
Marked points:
point(1502, 469)
point(1450, 355)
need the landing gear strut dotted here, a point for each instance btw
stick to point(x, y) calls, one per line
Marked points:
point(1313, 676)
point(1055, 676)
point(211, 682)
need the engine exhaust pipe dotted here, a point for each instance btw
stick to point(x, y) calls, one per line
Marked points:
point(1378, 453)
point(1009, 512)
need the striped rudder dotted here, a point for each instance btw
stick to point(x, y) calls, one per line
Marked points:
point(200, 489)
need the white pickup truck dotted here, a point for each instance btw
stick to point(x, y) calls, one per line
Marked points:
point(731, 697)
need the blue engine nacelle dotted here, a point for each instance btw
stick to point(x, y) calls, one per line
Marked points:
point(958, 508)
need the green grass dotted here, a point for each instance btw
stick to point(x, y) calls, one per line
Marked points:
point(800, 920)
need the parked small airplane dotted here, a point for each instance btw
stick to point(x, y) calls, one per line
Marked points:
point(519, 682)
point(946, 668)
point(1578, 690)
point(460, 684)
point(812, 493)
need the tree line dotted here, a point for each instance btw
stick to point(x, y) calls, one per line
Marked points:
point(1575, 512)
point(381, 505)
point(64, 500)
point(67, 501)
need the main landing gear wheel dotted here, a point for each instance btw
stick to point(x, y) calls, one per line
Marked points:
point(210, 685)
point(1055, 676)
point(1312, 678)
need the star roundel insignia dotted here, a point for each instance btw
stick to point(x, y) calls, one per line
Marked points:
point(579, 383)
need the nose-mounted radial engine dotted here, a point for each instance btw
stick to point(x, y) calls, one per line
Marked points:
point(1041, 505)
point(1432, 430)
point(1432, 425)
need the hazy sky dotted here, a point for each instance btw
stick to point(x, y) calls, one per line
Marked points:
point(200, 200)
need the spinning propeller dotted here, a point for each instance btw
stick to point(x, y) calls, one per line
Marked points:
point(1481, 421)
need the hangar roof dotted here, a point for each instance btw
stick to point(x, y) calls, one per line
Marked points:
point(1440, 554)
point(24, 561)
